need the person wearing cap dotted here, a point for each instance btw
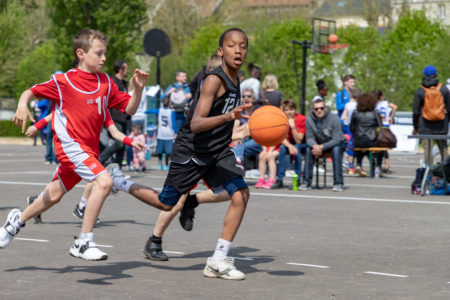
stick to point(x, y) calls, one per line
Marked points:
point(424, 126)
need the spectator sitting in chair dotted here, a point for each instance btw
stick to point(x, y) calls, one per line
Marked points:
point(323, 135)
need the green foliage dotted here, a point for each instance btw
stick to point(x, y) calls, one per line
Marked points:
point(121, 21)
point(204, 43)
point(394, 62)
point(271, 49)
point(22, 27)
point(7, 128)
point(37, 67)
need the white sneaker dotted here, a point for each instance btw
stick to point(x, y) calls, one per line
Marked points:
point(115, 172)
point(8, 231)
point(86, 250)
point(222, 268)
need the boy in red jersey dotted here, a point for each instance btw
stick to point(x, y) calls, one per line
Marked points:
point(81, 97)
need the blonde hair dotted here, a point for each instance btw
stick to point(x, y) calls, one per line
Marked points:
point(213, 62)
point(270, 82)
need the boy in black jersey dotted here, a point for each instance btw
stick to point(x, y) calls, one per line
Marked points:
point(201, 151)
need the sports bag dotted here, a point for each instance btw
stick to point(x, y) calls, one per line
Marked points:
point(178, 99)
point(433, 104)
point(385, 137)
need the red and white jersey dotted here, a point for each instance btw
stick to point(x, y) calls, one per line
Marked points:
point(80, 107)
point(108, 120)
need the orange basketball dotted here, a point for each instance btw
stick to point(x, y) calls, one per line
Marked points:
point(333, 38)
point(268, 125)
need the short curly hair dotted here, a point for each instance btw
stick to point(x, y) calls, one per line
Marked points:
point(366, 102)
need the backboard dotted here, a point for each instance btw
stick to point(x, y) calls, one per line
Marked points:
point(156, 43)
point(321, 30)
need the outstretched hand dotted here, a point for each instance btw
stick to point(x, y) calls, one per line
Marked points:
point(139, 78)
point(31, 131)
point(236, 112)
point(21, 116)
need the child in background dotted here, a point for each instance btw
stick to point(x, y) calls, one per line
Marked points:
point(138, 154)
point(387, 112)
point(268, 156)
point(166, 134)
point(346, 117)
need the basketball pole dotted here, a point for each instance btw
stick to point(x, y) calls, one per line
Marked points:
point(305, 45)
point(158, 80)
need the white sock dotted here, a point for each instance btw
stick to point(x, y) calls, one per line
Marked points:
point(82, 203)
point(87, 236)
point(222, 249)
point(122, 184)
point(17, 222)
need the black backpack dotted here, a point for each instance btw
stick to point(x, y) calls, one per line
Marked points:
point(416, 185)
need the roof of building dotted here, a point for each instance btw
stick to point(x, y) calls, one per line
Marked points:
point(334, 8)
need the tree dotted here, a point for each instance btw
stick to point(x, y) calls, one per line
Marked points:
point(37, 67)
point(23, 26)
point(121, 21)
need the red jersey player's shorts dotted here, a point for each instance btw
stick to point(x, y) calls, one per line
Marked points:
point(70, 175)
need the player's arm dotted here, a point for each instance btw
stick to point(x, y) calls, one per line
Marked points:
point(139, 79)
point(33, 129)
point(209, 91)
point(23, 113)
point(119, 136)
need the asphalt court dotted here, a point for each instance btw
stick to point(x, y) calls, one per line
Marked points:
point(373, 241)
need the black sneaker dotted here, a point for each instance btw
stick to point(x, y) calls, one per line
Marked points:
point(154, 251)
point(38, 218)
point(187, 215)
point(79, 213)
point(277, 185)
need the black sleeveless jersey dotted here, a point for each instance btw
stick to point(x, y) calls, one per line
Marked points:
point(202, 147)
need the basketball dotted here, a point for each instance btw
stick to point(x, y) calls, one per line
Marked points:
point(333, 38)
point(268, 125)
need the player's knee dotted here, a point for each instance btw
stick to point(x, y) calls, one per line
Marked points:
point(245, 195)
point(104, 182)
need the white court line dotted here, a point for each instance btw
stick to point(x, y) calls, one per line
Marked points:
point(27, 172)
point(268, 194)
point(243, 258)
point(19, 160)
point(105, 246)
point(32, 240)
point(379, 186)
point(349, 198)
point(34, 183)
point(308, 265)
point(174, 252)
point(386, 274)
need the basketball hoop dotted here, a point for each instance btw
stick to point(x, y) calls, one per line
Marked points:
point(144, 61)
point(337, 56)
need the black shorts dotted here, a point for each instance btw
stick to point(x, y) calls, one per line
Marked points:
point(218, 171)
